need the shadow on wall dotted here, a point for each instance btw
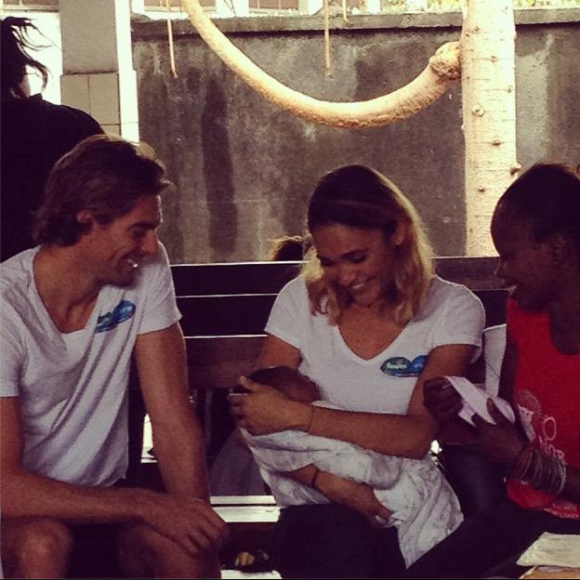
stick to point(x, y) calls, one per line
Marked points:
point(218, 172)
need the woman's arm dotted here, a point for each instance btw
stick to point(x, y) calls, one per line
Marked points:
point(277, 352)
point(503, 442)
point(404, 435)
point(356, 496)
point(268, 411)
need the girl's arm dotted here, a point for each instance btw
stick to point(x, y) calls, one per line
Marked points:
point(502, 443)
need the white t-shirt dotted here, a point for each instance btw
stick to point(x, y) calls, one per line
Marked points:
point(73, 386)
point(385, 383)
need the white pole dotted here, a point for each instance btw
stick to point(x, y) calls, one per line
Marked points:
point(489, 114)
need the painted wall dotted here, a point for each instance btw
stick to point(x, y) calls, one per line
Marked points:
point(244, 170)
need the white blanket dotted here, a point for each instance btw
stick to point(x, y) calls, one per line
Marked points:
point(425, 509)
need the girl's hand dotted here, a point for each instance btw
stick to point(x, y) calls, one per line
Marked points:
point(500, 443)
point(266, 410)
point(442, 400)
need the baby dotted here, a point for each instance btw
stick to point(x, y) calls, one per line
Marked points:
point(424, 507)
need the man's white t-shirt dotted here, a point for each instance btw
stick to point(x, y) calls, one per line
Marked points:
point(385, 383)
point(73, 386)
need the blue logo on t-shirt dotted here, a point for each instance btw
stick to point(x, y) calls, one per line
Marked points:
point(399, 366)
point(122, 312)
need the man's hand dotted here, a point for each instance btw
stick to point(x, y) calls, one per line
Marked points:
point(357, 496)
point(500, 443)
point(442, 400)
point(191, 523)
point(266, 410)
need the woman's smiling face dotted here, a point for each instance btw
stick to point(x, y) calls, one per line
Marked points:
point(359, 261)
point(526, 266)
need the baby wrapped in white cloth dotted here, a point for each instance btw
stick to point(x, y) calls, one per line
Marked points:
point(424, 508)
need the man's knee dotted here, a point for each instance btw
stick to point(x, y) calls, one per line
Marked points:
point(144, 551)
point(46, 538)
point(39, 544)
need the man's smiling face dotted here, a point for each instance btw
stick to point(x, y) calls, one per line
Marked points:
point(116, 250)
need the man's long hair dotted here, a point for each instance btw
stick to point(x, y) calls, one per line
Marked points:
point(104, 175)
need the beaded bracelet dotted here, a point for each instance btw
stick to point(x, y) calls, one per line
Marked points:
point(540, 471)
point(522, 462)
point(312, 407)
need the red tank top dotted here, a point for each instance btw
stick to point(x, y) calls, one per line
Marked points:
point(547, 396)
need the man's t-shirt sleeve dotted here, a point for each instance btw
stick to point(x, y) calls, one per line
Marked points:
point(160, 304)
point(10, 359)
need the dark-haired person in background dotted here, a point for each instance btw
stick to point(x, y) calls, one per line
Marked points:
point(97, 291)
point(34, 135)
point(536, 231)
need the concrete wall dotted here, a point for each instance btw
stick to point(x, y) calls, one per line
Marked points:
point(244, 170)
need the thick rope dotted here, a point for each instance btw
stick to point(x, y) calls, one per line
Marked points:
point(425, 89)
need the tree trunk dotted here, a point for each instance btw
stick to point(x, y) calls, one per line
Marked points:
point(489, 114)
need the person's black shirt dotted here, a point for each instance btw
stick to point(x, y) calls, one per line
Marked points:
point(34, 135)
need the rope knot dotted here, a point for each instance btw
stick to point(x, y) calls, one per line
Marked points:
point(446, 62)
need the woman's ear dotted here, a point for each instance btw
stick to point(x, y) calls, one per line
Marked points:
point(561, 249)
point(400, 234)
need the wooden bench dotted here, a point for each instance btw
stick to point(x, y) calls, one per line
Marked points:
point(225, 308)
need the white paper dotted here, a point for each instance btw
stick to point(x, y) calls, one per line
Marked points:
point(553, 550)
point(475, 401)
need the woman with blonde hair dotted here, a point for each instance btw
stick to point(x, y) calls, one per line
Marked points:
point(369, 322)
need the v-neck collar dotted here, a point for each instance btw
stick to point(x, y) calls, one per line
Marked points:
point(370, 361)
point(91, 321)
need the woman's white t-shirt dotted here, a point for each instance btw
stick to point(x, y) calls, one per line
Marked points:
point(384, 384)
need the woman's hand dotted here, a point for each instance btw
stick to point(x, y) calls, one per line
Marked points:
point(356, 496)
point(500, 443)
point(266, 410)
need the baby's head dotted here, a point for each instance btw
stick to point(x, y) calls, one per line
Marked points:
point(288, 381)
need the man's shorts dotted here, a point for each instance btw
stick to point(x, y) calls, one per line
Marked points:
point(95, 551)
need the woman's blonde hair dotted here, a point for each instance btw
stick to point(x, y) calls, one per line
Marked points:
point(360, 197)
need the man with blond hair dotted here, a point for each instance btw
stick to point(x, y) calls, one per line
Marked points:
point(95, 292)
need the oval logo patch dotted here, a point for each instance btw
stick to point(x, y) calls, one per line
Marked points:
point(122, 312)
point(400, 366)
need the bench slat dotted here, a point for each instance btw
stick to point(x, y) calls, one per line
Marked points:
point(234, 278)
point(243, 500)
point(225, 315)
point(270, 277)
point(234, 514)
point(217, 362)
point(248, 314)
point(475, 273)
